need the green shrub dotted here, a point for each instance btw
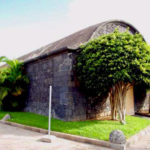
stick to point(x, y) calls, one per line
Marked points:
point(112, 64)
point(13, 85)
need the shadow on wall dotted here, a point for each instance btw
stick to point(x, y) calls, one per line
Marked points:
point(141, 98)
point(98, 108)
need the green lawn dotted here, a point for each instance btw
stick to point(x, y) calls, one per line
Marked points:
point(92, 129)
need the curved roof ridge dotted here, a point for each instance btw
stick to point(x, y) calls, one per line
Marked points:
point(74, 40)
point(132, 29)
point(71, 42)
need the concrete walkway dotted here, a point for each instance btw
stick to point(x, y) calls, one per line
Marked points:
point(143, 144)
point(13, 138)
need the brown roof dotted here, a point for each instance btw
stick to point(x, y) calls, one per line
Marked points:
point(72, 41)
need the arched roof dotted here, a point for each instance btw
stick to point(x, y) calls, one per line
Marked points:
point(74, 40)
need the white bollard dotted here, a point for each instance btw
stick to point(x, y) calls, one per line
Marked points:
point(49, 115)
point(48, 138)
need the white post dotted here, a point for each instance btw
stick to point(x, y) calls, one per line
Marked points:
point(49, 118)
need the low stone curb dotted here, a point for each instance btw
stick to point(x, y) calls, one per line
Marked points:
point(69, 136)
point(138, 136)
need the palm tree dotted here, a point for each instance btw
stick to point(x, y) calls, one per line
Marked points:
point(13, 82)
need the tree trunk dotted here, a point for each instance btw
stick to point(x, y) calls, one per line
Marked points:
point(118, 100)
point(113, 104)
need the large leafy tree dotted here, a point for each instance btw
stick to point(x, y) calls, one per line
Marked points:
point(111, 64)
point(13, 84)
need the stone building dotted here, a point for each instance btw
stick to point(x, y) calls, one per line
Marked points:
point(53, 65)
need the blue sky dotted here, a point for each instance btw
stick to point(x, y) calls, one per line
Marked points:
point(16, 12)
point(26, 25)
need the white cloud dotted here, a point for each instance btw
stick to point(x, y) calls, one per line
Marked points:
point(19, 40)
point(88, 12)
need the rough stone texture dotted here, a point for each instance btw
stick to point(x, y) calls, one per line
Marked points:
point(142, 100)
point(102, 109)
point(67, 102)
point(98, 109)
point(117, 137)
point(74, 40)
point(109, 27)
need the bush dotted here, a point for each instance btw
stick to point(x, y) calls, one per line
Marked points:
point(112, 64)
point(13, 85)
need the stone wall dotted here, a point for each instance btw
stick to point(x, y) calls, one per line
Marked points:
point(142, 99)
point(67, 102)
point(98, 109)
point(101, 109)
point(130, 102)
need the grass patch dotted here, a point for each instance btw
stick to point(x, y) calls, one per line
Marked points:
point(92, 128)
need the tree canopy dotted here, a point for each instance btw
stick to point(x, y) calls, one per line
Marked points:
point(111, 58)
point(111, 64)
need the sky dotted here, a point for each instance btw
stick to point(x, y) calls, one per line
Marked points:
point(26, 25)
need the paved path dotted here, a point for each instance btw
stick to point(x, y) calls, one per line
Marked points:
point(143, 144)
point(13, 138)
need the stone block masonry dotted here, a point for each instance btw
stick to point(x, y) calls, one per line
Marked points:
point(67, 103)
point(53, 65)
point(142, 100)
